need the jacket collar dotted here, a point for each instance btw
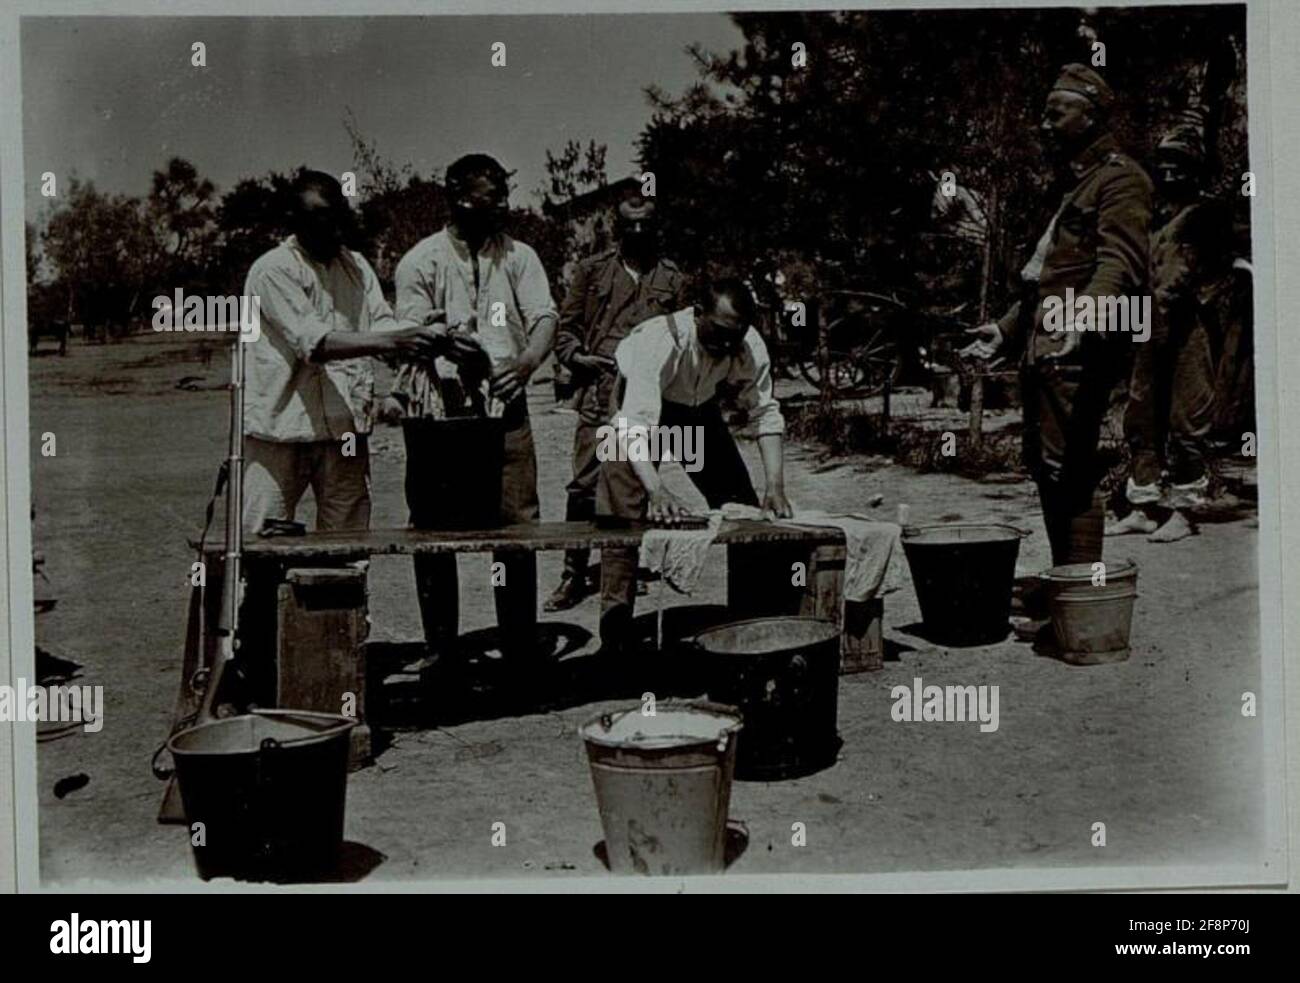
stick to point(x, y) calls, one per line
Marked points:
point(1092, 155)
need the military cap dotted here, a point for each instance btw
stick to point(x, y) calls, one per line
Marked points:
point(1186, 138)
point(1084, 81)
point(635, 207)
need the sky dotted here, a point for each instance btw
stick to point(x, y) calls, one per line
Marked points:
point(112, 99)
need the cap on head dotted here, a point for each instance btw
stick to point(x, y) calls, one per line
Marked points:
point(1082, 80)
point(635, 207)
point(1185, 140)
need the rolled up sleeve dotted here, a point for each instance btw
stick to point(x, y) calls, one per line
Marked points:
point(645, 360)
point(380, 313)
point(753, 373)
point(415, 293)
point(532, 289)
point(285, 309)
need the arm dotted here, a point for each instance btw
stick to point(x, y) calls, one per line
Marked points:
point(392, 337)
point(645, 359)
point(1123, 229)
point(533, 291)
point(765, 419)
point(569, 340)
point(533, 294)
point(287, 313)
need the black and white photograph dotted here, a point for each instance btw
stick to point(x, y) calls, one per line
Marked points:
point(509, 447)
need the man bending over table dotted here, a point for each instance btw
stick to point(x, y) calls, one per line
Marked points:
point(670, 370)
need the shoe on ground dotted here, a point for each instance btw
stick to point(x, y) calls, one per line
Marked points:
point(1175, 528)
point(1029, 629)
point(571, 592)
point(1133, 523)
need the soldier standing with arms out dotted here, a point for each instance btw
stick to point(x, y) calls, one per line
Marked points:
point(1095, 244)
point(611, 294)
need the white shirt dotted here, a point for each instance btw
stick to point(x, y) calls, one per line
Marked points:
point(287, 396)
point(661, 359)
point(504, 299)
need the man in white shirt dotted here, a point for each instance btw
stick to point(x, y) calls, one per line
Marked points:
point(670, 371)
point(494, 290)
point(309, 385)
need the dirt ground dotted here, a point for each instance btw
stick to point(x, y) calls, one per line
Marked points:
point(1156, 748)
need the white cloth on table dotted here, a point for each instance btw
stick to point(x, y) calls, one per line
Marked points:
point(678, 555)
point(872, 562)
point(872, 565)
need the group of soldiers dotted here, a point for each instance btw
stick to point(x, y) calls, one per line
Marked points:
point(1116, 235)
point(645, 347)
point(472, 301)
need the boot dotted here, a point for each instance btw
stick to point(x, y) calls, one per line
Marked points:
point(573, 589)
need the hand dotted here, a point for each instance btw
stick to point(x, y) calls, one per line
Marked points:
point(776, 505)
point(510, 379)
point(1069, 345)
point(594, 364)
point(666, 508)
point(391, 410)
point(464, 349)
point(422, 343)
point(988, 339)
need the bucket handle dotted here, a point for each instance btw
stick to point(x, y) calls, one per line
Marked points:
point(160, 771)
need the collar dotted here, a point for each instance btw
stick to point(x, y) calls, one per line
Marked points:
point(492, 245)
point(1092, 155)
point(343, 256)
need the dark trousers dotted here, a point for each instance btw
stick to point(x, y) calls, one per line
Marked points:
point(620, 497)
point(1171, 401)
point(436, 581)
point(593, 412)
point(1064, 407)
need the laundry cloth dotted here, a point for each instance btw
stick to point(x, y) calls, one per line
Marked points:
point(872, 554)
point(872, 561)
point(678, 555)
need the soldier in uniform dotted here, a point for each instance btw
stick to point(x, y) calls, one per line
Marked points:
point(611, 293)
point(1096, 245)
point(1172, 392)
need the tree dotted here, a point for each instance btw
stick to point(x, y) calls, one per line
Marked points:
point(180, 211)
point(251, 218)
point(98, 246)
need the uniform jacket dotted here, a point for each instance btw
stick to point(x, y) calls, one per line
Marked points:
point(603, 304)
point(1098, 247)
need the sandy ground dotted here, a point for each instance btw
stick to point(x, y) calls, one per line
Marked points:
point(1156, 748)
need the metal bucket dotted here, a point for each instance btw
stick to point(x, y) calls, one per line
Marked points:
point(269, 789)
point(663, 786)
point(1092, 622)
point(784, 676)
point(453, 471)
point(963, 574)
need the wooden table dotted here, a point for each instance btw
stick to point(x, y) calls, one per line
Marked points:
point(304, 613)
